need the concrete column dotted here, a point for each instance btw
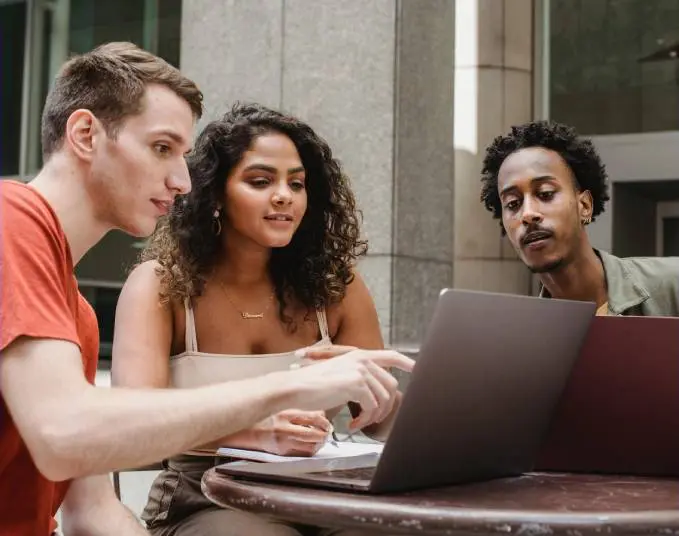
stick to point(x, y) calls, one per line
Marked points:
point(493, 91)
point(376, 80)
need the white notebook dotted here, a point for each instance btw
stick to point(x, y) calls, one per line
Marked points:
point(342, 449)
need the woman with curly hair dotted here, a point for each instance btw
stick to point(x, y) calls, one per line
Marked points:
point(254, 264)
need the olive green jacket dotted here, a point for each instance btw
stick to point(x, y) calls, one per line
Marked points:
point(641, 286)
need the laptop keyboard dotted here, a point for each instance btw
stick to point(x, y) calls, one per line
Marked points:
point(359, 473)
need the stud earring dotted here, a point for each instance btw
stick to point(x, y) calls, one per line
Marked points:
point(216, 222)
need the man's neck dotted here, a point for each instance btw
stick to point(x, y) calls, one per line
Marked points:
point(582, 279)
point(61, 183)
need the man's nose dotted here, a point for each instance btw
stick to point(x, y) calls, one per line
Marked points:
point(531, 211)
point(180, 180)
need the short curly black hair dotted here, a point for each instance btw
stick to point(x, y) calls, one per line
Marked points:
point(579, 153)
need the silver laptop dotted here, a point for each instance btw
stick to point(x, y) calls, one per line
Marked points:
point(479, 403)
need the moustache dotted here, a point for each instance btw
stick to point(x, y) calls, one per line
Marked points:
point(535, 234)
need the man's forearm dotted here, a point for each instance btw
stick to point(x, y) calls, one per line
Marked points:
point(73, 429)
point(245, 439)
point(109, 429)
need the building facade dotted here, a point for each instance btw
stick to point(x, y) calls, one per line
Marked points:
point(611, 68)
point(408, 93)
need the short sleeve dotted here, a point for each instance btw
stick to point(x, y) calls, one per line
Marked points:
point(35, 270)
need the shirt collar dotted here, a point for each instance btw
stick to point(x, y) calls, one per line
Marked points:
point(623, 287)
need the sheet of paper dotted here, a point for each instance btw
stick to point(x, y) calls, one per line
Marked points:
point(342, 449)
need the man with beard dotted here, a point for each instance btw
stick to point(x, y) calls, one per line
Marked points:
point(546, 184)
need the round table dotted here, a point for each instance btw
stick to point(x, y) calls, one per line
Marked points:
point(537, 504)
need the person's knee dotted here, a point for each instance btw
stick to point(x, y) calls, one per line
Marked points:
point(221, 522)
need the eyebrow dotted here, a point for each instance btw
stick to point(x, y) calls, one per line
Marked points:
point(541, 178)
point(177, 138)
point(271, 169)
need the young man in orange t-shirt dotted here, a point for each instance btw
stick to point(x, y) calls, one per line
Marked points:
point(115, 128)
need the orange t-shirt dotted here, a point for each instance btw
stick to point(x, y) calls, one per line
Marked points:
point(39, 298)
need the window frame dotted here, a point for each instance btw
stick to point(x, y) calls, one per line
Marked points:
point(39, 71)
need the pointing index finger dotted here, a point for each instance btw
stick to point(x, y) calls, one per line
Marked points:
point(388, 358)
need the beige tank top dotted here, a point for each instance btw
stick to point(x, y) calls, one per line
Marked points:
point(193, 368)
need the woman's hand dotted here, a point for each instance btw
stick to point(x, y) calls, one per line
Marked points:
point(293, 433)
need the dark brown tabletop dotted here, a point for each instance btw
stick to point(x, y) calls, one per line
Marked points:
point(532, 505)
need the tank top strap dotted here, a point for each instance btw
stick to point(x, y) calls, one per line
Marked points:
point(323, 324)
point(190, 339)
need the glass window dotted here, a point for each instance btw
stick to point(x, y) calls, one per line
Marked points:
point(27, 55)
point(151, 24)
point(37, 37)
point(614, 65)
point(12, 42)
point(103, 300)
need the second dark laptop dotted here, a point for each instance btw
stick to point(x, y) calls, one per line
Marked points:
point(620, 410)
point(478, 405)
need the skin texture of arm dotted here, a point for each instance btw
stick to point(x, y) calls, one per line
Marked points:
point(91, 508)
point(73, 429)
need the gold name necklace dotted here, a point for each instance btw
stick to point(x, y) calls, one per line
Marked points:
point(244, 314)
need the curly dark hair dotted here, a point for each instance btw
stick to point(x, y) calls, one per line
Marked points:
point(314, 268)
point(579, 153)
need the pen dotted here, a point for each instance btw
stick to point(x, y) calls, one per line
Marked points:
point(332, 439)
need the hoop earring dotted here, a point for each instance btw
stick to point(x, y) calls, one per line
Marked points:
point(587, 221)
point(216, 222)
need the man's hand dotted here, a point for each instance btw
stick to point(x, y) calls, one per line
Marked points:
point(293, 433)
point(319, 353)
point(314, 354)
point(357, 376)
